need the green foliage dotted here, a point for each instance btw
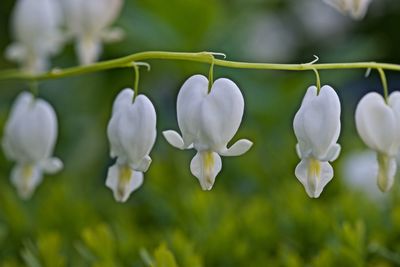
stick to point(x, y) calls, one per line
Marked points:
point(163, 257)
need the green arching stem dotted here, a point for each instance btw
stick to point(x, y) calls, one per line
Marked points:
point(136, 66)
point(136, 80)
point(318, 80)
point(34, 88)
point(211, 75)
point(384, 84)
point(203, 57)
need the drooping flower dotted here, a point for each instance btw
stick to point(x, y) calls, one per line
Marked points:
point(354, 8)
point(89, 21)
point(29, 138)
point(378, 125)
point(36, 33)
point(317, 128)
point(208, 121)
point(132, 133)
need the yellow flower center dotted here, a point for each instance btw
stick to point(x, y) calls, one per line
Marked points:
point(124, 178)
point(208, 161)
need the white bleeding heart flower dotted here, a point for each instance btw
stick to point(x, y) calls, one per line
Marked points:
point(208, 121)
point(378, 125)
point(36, 33)
point(132, 133)
point(354, 8)
point(89, 21)
point(29, 137)
point(317, 128)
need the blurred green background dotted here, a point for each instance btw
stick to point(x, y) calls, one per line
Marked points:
point(257, 214)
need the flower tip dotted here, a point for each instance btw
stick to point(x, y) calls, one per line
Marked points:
point(206, 186)
point(174, 139)
point(123, 181)
point(238, 148)
point(314, 175)
point(26, 179)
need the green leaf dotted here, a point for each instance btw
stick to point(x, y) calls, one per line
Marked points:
point(163, 257)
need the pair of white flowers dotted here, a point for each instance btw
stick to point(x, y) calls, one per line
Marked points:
point(317, 128)
point(354, 8)
point(37, 31)
point(207, 120)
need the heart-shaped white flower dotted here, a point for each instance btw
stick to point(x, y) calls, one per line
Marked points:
point(89, 21)
point(132, 133)
point(378, 125)
point(208, 121)
point(36, 32)
point(317, 128)
point(29, 137)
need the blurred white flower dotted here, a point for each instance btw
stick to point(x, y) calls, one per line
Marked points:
point(360, 170)
point(208, 121)
point(132, 133)
point(89, 21)
point(317, 128)
point(36, 33)
point(268, 36)
point(29, 137)
point(324, 24)
point(354, 8)
point(378, 125)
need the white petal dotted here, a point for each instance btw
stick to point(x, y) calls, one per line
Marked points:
point(386, 172)
point(88, 50)
point(221, 114)
point(90, 17)
point(377, 124)
point(19, 108)
point(123, 181)
point(394, 103)
point(132, 131)
point(188, 106)
point(121, 104)
point(52, 165)
point(205, 166)
point(37, 131)
point(112, 35)
point(26, 177)
point(304, 146)
point(298, 152)
point(16, 52)
point(321, 122)
point(314, 175)
point(174, 139)
point(237, 149)
point(123, 100)
point(31, 131)
point(333, 153)
point(143, 165)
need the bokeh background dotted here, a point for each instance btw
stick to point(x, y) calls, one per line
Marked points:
point(257, 214)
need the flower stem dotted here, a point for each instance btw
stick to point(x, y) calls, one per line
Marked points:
point(384, 84)
point(136, 80)
point(211, 74)
point(318, 80)
point(202, 57)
